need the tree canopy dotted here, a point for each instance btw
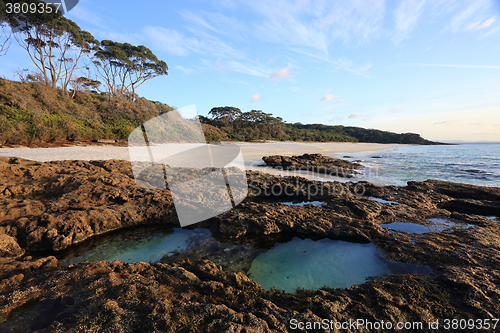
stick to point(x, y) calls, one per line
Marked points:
point(124, 67)
point(54, 43)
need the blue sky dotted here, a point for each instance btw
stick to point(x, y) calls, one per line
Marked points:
point(430, 67)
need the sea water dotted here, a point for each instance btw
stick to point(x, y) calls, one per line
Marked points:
point(308, 264)
point(148, 247)
point(476, 164)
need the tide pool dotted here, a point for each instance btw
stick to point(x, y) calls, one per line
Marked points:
point(308, 264)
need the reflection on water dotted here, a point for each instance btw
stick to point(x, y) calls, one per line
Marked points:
point(308, 264)
point(382, 200)
point(303, 203)
point(407, 227)
point(432, 225)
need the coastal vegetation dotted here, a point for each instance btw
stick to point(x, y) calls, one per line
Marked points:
point(258, 125)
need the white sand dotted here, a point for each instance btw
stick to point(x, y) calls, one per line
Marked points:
point(252, 152)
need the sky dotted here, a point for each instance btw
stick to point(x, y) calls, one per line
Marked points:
point(428, 67)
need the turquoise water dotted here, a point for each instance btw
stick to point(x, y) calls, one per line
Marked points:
point(149, 247)
point(477, 164)
point(309, 264)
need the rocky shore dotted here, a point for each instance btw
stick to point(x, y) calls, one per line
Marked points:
point(52, 206)
point(316, 163)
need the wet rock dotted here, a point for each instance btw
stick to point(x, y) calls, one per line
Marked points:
point(313, 163)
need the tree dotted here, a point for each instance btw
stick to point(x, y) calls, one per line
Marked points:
point(6, 32)
point(225, 115)
point(54, 43)
point(124, 67)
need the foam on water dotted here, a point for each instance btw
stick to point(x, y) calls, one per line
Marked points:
point(312, 264)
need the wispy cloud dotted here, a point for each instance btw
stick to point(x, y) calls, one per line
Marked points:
point(309, 114)
point(176, 43)
point(354, 115)
point(250, 68)
point(406, 16)
point(327, 97)
point(396, 111)
point(255, 98)
point(315, 25)
point(470, 14)
point(331, 111)
point(479, 24)
point(446, 122)
point(333, 119)
point(457, 66)
point(187, 71)
point(220, 65)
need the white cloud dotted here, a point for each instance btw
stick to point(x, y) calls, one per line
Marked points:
point(406, 16)
point(285, 72)
point(327, 97)
point(309, 114)
point(255, 98)
point(354, 115)
point(331, 111)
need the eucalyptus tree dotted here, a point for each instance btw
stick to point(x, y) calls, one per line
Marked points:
point(5, 32)
point(124, 67)
point(225, 115)
point(54, 43)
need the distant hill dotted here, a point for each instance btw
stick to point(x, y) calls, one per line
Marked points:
point(257, 125)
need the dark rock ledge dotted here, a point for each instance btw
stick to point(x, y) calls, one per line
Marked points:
point(48, 207)
point(313, 163)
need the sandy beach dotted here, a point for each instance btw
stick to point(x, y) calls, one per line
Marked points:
point(252, 152)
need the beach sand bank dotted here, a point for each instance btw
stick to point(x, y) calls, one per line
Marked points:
point(252, 153)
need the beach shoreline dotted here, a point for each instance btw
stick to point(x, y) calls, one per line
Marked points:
point(252, 152)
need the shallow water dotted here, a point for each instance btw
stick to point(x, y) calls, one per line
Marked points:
point(303, 203)
point(308, 264)
point(407, 227)
point(382, 200)
point(146, 247)
point(432, 225)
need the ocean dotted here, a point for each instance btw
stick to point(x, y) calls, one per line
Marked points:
point(476, 164)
